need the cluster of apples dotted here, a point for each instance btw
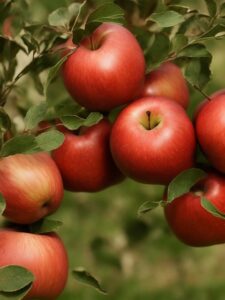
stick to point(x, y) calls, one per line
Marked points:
point(188, 219)
point(107, 70)
point(152, 139)
point(32, 189)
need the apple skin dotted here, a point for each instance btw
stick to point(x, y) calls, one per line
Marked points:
point(31, 186)
point(110, 75)
point(190, 222)
point(154, 155)
point(205, 101)
point(167, 81)
point(42, 254)
point(85, 161)
point(210, 128)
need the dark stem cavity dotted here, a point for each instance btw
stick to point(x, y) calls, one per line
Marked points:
point(148, 113)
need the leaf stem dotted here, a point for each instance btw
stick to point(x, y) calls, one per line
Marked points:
point(203, 93)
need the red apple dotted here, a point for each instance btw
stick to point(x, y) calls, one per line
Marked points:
point(106, 70)
point(167, 81)
point(85, 161)
point(31, 186)
point(153, 140)
point(190, 222)
point(44, 255)
point(210, 128)
point(205, 101)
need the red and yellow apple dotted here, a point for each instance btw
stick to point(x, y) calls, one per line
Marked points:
point(42, 254)
point(31, 186)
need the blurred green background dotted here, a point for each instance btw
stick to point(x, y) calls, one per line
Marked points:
point(134, 258)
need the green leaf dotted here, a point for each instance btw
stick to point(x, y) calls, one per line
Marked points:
point(128, 5)
point(192, 71)
point(108, 12)
point(92, 119)
point(209, 207)
point(182, 9)
point(222, 10)
point(179, 42)
point(46, 141)
point(30, 42)
point(212, 7)
point(72, 122)
point(195, 50)
point(97, 3)
point(145, 38)
point(83, 9)
point(5, 121)
point(5, 7)
point(62, 16)
point(75, 122)
point(35, 115)
point(148, 206)
point(220, 35)
point(65, 108)
point(213, 31)
point(146, 7)
point(38, 64)
point(167, 18)
point(10, 47)
point(84, 277)
point(197, 71)
point(158, 52)
point(74, 10)
point(2, 204)
point(45, 226)
point(19, 144)
point(59, 17)
point(182, 183)
point(53, 71)
point(18, 295)
point(14, 278)
point(8, 52)
point(205, 74)
point(195, 25)
point(50, 140)
point(37, 83)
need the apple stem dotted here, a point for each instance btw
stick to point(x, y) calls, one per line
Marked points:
point(92, 44)
point(148, 113)
point(203, 93)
